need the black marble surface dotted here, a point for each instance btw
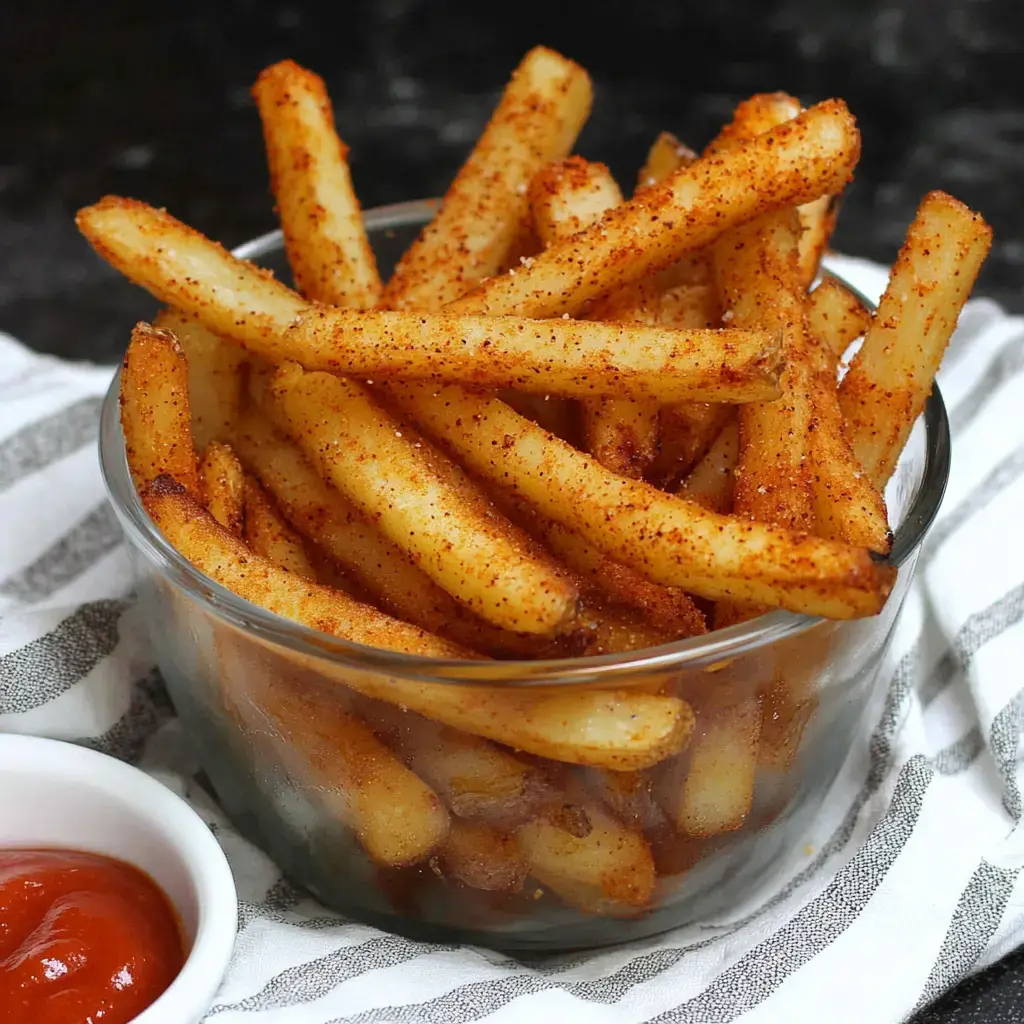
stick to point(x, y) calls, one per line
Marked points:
point(151, 100)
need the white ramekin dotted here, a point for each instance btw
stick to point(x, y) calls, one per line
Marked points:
point(55, 794)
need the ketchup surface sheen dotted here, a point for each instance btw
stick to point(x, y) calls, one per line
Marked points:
point(84, 939)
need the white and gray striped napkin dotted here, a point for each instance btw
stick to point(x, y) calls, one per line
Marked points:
point(910, 880)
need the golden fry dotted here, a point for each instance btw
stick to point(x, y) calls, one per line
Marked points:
point(891, 376)
point(718, 789)
point(226, 560)
point(422, 502)
point(232, 298)
point(810, 156)
point(666, 155)
point(712, 481)
point(566, 198)
point(669, 540)
point(329, 751)
point(155, 416)
point(607, 870)
point(327, 247)
point(540, 114)
point(318, 511)
point(474, 777)
point(483, 857)
point(221, 486)
point(215, 376)
point(268, 533)
point(835, 316)
point(559, 357)
point(755, 116)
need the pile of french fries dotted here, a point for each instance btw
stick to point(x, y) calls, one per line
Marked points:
point(570, 423)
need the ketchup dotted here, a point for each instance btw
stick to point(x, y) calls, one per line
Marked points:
point(84, 939)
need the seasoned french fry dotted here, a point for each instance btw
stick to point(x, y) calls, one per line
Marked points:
point(475, 778)
point(422, 502)
point(783, 721)
point(569, 195)
point(668, 539)
point(687, 431)
point(755, 272)
point(540, 114)
point(233, 298)
point(847, 504)
point(891, 376)
point(221, 486)
point(718, 789)
point(269, 534)
point(609, 870)
point(667, 608)
point(327, 247)
point(622, 731)
point(225, 559)
point(666, 155)
point(395, 816)
point(760, 114)
point(483, 857)
point(810, 156)
point(155, 415)
point(215, 376)
point(383, 570)
point(712, 481)
point(565, 199)
point(561, 357)
point(835, 316)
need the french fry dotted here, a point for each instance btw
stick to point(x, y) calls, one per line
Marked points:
point(622, 731)
point(717, 791)
point(891, 376)
point(810, 156)
point(327, 248)
point(328, 750)
point(483, 857)
point(178, 265)
point(755, 116)
point(422, 502)
point(215, 376)
point(540, 114)
point(711, 483)
point(835, 316)
point(608, 871)
point(783, 721)
point(670, 540)
point(474, 777)
point(569, 195)
point(560, 357)
point(239, 301)
point(666, 155)
point(225, 559)
point(565, 199)
point(318, 511)
point(268, 533)
point(755, 272)
point(221, 486)
point(687, 431)
point(155, 416)
point(666, 608)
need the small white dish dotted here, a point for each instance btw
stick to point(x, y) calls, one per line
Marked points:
point(55, 794)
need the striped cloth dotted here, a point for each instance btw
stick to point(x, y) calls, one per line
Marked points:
point(910, 880)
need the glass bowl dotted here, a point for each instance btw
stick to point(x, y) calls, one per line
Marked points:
point(577, 857)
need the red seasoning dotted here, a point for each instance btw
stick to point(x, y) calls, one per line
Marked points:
point(84, 939)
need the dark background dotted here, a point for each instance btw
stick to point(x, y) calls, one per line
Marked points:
point(152, 101)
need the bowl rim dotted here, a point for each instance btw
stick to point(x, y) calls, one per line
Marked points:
point(691, 652)
point(193, 989)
